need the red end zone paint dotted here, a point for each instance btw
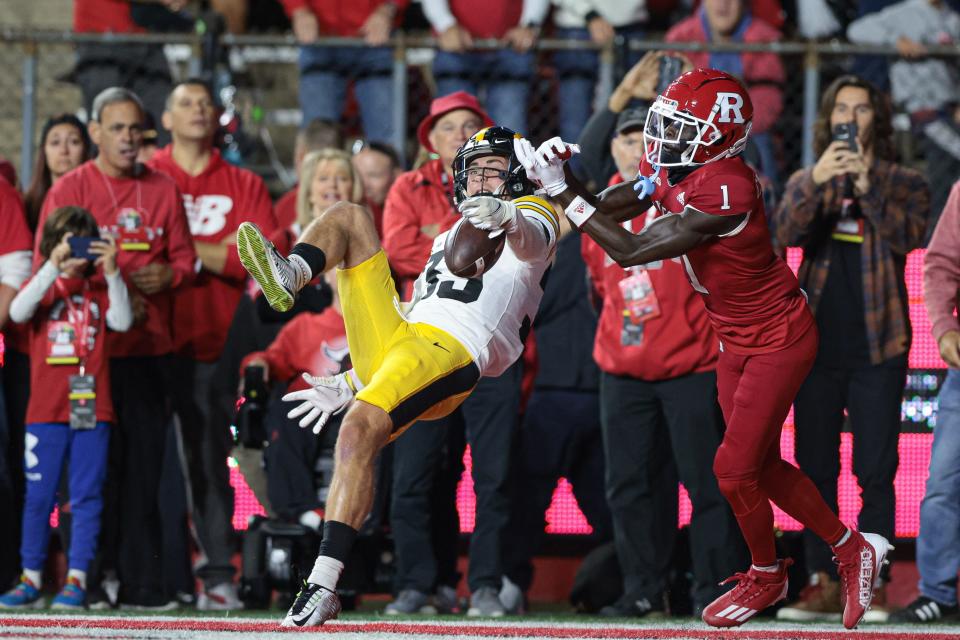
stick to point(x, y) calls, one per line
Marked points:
point(440, 630)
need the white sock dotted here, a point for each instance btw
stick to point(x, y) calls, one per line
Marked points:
point(302, 269)
point(845, 537)
point(326, 572)
point(773, 568)
point(81, 577)
point(34, 576)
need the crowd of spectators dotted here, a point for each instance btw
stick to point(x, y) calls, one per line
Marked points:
point(617, 398)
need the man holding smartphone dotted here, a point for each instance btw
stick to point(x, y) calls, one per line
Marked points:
point(857, 215)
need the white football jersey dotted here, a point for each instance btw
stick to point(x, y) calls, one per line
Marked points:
point(492, 313)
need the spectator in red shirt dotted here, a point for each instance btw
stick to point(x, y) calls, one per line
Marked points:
point(378, 166)
point(317, 135)
point(144, 211)
point(503, 74)
point(325, 70)
point(15, 255)
point(142, 68)
point(761, 72)
point(69, 310)
point(217, 197)
point(64, 146)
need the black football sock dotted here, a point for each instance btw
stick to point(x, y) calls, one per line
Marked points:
point(310, 262)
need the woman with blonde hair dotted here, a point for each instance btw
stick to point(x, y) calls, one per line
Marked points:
point(326, 177)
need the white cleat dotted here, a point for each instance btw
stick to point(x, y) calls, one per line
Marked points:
point(314, 606)
point(273, 272)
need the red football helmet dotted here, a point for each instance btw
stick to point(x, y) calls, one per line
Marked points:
point(704, 115)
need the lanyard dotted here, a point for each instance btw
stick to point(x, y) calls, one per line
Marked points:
point(116, 204)
point(79, 321)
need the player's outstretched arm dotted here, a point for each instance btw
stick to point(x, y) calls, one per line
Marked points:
point(546, 166)
point(667, 237)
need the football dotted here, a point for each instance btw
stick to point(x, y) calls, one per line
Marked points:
point(469, 251)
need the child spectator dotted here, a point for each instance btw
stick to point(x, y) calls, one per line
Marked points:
point(69, 308)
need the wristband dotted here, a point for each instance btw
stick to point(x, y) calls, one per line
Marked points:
point(555, 188)
point(579, 211)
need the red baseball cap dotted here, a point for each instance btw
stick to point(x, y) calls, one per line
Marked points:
point(444, 105)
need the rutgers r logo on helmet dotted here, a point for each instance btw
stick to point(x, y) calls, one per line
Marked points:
point(730, 106)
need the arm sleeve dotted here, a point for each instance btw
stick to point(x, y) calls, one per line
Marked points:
point(534, 12)
point(119, 314)
point(534, 232)
point(25, 303)
point(799, 211)
point(941, 269)
point(180, 251)
point(15, 268)
point(595, 146)
point(406, 246)
point(438, 14)
point(260, 212)
point(898, 205)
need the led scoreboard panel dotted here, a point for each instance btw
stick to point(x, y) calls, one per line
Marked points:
point(918, 415)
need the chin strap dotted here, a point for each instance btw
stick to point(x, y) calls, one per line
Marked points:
point(645, 185)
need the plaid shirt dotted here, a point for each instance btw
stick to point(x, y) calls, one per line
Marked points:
point(895, 213)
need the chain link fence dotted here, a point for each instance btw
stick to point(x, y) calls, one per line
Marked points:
point(262, 75)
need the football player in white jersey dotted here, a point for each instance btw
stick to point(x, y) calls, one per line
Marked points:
point(418, 363)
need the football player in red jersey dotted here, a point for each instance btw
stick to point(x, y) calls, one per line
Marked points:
point(714, 220)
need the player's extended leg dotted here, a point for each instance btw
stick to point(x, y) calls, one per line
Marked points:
point(344, 233)
point(364, 431)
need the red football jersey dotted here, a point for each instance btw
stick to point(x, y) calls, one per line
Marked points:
point(216, 201)
point(54, 332)
point(146, 216)
point(754, 300)
point(311, 342)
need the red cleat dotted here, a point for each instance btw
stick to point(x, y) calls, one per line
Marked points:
point(755, 591)
point(858, 562)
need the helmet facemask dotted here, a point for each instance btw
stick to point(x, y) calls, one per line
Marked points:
point(677, 139)
point(493, 141)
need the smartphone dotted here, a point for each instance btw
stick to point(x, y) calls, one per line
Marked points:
point(80, 247)
point(669, 70)
point(847, 132)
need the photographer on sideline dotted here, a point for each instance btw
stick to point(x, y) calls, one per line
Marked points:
point(857, 215)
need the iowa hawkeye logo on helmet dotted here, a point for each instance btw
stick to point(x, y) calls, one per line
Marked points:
point(491, 141)
point(703, 116)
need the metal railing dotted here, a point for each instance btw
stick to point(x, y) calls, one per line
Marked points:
point(812, 56)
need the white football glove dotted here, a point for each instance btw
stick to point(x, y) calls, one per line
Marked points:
point(545, 164)
point(489, 213)
point(327, 396)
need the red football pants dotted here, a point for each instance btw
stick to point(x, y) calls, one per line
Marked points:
point(755, 394)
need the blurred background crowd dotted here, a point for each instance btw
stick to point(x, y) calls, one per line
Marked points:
point(162, 125)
